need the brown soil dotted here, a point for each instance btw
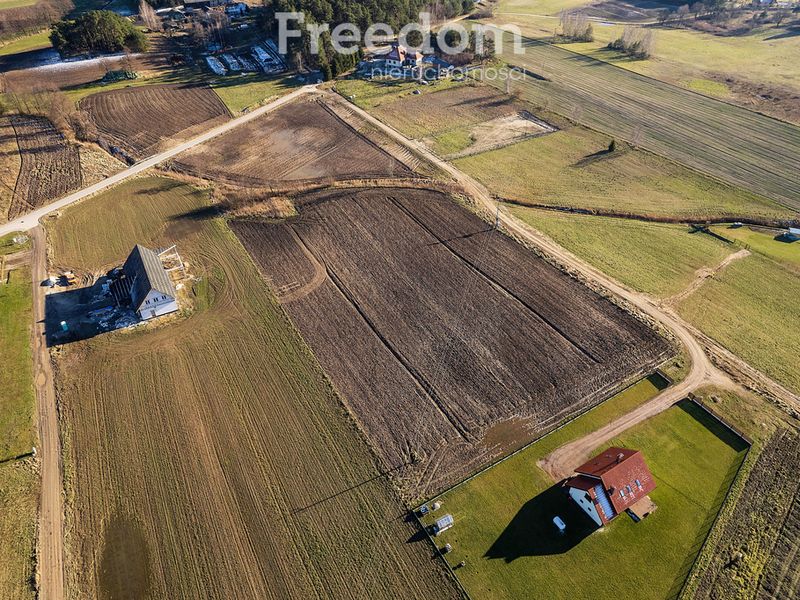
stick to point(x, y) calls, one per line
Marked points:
point(305, 141)
point(435, 328)
point(50, 165)
point(143, 120)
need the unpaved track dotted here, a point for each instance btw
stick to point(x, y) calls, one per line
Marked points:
point(31, 219)
point(50, 551)
point(706, 273)
point(702, 371)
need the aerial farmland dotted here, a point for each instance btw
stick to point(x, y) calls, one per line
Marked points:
point(304, 320)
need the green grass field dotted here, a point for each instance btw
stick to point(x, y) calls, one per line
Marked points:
point(249, 91)
point(18, 478)
point(680, 54)
point(503, 519)
point(763, 242)
point(568, 168)
point(6, 4)
point(734, 144)
point(7, 245)
point(751, 308)
point(145, 210)
point(656, 258)
point(35, 41)
point(379, 92)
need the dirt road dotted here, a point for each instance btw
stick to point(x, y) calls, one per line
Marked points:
point(701, 275)
point(50, 551)
point(702, 371)
point(31, 219)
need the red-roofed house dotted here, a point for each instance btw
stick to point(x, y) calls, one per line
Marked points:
point(400, 56)
point(614, 481)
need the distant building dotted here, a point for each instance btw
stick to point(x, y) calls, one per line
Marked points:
point(147, 284)
point(235, 9)
point(613, 482)
point(792, 234)
point(400, 57)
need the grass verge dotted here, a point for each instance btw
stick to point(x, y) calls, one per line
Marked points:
point(18, 477)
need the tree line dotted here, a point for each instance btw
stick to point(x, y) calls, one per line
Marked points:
point(395, 13)
point(97, 31)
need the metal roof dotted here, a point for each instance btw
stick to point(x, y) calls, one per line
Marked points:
point(144, 267)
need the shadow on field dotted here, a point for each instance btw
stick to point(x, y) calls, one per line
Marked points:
point(532, 533)
point(380, 475)
point(723, 433)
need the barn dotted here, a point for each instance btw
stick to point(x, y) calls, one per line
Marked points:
point(146, 284)
point(615, 481)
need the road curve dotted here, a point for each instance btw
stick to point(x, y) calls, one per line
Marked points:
point(702, 370)
point(31, 219)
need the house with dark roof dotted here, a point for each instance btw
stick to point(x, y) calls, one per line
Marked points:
point(148, 284)
point(400, 56)
point(615, 481)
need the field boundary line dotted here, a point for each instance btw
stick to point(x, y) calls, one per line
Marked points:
point(667, 220)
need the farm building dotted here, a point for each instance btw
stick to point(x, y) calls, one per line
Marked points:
point(146, 284)
point(614, 481)
point(399, 57)
point(792, 234)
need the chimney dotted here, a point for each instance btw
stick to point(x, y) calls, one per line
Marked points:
point(620, 456)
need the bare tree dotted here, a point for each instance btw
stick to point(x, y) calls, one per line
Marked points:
point(698, 8)
point(682, 12)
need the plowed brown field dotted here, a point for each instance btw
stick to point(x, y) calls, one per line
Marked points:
point(304, 141)
point(50, 165)
point(141, 120)
point(209, 458)
point(450, 342)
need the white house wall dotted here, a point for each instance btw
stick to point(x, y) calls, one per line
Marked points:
point(579, 496)
point(155, 305)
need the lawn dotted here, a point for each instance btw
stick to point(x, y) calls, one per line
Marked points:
point(571, 168)
point(504, 532)
point(249, 91)
point(18, 478)
point(751, 308)
point(208, 456)
point(144, 210)
point(768, 243)
point(655, 258)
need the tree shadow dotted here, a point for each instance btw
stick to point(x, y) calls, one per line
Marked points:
point(532, 533)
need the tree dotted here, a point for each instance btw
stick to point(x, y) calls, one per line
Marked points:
point(612, 147)
point(698, 8)
point(663, 15)
point(97, 31)
point(682, 13)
